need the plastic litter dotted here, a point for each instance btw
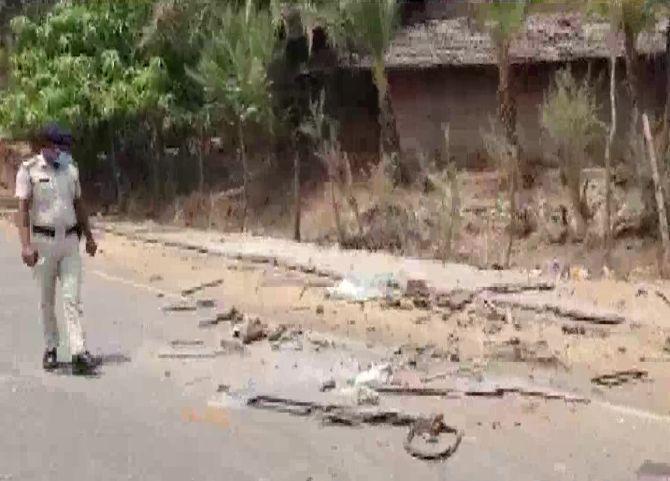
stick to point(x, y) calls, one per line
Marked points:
point(375, 376)
point(359, 289)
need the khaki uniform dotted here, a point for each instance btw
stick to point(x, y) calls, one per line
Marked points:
point(52, 192)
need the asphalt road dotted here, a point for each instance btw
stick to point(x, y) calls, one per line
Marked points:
point(128, 423)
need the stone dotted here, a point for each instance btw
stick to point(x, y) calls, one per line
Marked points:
point(155, 278)
point(327, 385)
point(319, 309)
point(417, 288)
point(629, 217)
point(231, 314)
point(250, 330)
point(205, 303)
point(277, 333)
point(555, 226)
point(180, 307)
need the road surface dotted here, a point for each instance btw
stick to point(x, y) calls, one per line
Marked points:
point(130, 422)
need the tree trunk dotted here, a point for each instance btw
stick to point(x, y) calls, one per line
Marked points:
point(507, 112)
point(201, 161)
point(452, 172)
point(608, 162)
point(660, 202)
point(297, 196)
point(666, 116)
point(336, 212)
point(632, 74)
point(389, 142)
point(245, 173)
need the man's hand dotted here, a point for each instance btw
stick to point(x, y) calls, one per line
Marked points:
point(29, 255)
point(91, 246)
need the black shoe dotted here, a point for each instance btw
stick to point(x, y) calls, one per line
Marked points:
point(50, 360)
point(84, 363)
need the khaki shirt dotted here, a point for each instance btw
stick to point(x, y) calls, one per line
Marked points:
point(52, 192)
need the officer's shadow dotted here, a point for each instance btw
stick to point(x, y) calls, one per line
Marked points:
point(100, 361)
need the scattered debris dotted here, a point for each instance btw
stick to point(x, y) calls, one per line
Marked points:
point(488, 392)
point(288, 340)
point(319, 342)
point(232, 315)
point(651, 471)
point(361, 395)
point(205, 323)
point(231, 347)
point(375, 376)
point(360, 290)
point(186, 342)
point(620, 377)
point(180, 307)
point(573, 313)
point(205, 303)
point(429, 431)
point(663, 297)
point(573, 330)
point(250, 330)
point(417, 288)
point(187, 355)
point(277, 333)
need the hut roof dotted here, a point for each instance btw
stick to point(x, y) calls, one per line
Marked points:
point(556, 37)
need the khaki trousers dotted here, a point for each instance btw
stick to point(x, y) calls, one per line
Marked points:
point(59, 259)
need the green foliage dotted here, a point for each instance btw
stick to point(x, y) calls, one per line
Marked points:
point(234, 63)
point(569, 114)
point(79, 65)
point(632, 16)
point(504, 19)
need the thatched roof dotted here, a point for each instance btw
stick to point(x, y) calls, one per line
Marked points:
point(547, 38)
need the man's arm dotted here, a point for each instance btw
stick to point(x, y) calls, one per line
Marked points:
point(24, 195)
point(82, 219)
point(24, 222)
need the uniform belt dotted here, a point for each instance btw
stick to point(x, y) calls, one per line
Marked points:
point(51, 232)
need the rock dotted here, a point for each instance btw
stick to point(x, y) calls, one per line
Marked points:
point(319, 341)
point(327, 385)
point(231, 347)
point(231, 314)
point(421, 303)
point(277, 333)
point(405, 304)
point(361, 395)
point(629, 217)
point(180, 307)
point(456, 299)
point(205, 323)
point(249, 331)
point(205, 303)
point(555, 225)
point(320, 309)
point(417, 288)
point(573, 330)
point(155, 278)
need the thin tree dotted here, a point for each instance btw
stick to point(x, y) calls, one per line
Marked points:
point(370, 26)
point(504, 20)
point(233, 71)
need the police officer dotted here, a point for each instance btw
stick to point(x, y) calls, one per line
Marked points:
point(52, 219)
